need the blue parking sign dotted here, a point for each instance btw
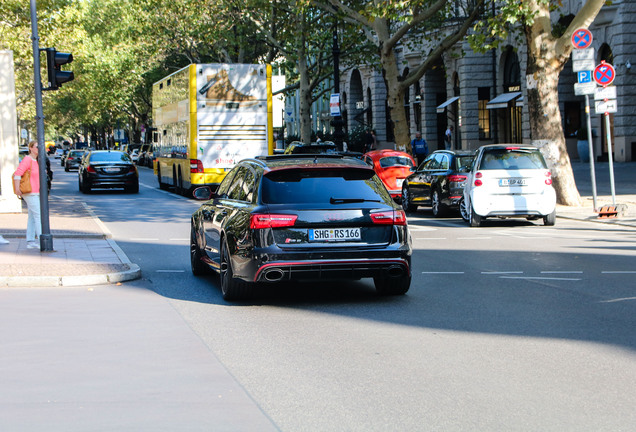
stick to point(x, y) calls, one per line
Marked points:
point(584, 76)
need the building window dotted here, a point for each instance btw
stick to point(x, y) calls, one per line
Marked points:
point(483, 94)
point(572, 119)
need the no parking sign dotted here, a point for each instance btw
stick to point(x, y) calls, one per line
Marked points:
point(604, 74)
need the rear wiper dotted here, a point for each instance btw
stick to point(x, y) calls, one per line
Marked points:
point(333, 200)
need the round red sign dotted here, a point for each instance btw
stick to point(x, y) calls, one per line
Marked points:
point(604, 74)
point(582, 38)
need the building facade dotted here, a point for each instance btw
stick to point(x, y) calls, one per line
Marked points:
point(482, 95)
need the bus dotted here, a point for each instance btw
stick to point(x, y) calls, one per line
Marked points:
point(208, 117)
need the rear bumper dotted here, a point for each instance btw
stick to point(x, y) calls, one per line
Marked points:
point(514, 205)
point(336, 269)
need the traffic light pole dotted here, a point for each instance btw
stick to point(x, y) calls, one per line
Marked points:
point(46, 239)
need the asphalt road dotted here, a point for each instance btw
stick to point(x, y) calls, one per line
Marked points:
point(513, 326)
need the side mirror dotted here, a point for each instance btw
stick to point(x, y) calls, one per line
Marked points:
point(202, 193)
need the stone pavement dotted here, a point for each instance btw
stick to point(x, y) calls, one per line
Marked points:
point(84, 253)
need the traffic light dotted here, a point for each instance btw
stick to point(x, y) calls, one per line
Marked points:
point(54, 62)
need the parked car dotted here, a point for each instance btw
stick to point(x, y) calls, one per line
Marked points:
point(393, 167)
point(300, 217)
point(134, 155)
point(438, 182)
point(509, 180)
point(107, 169)
point(58, 153)
point(297, 147)
point(73, 159)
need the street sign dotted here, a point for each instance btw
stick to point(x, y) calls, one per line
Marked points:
point(582, 38)
point(602, 107)
point(584, 76)
point(334, 104)
point(604, 74)
point(583, 54)
point(583, 65)
point(360, 105)
point(582, 89)
point(602, 93)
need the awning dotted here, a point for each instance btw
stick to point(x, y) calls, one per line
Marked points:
point(503, 100)
point(442, 107)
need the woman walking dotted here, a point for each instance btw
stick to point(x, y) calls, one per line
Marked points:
point(32, 199)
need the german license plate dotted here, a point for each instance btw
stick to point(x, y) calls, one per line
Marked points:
point(334, 234)
point(513, 182)
point(111, 170)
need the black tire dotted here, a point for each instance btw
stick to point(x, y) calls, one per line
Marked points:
point(231, 288)
point(386, 285)
point(66, 168)
point(85, 188)
point(198, 267)
point(162, 186)
point(133, 189)
point(550, 219)
point(439, 209)
point(407, 205)
point(463, 210)
point(475, 219)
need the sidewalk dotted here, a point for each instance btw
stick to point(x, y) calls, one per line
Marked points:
point(83, 252)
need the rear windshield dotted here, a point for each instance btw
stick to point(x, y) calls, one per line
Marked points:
point(395, 161)
point(110, 157)
point(321, 186)
point(512, 159)
point(75, 153)
point(464, 163)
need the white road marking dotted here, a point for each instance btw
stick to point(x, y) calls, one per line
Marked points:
point(178, 239)
point(538, 278)
point(562, 272)
point(442, 272)
point(502, 272)
point(618, 272)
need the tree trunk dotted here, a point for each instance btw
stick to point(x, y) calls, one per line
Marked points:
point(544, 67)
point(304, 89)
point(395, 95)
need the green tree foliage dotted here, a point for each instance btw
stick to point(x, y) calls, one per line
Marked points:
point(433, 26)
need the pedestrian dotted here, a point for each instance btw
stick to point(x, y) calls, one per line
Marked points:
point(419, 148)
point(32, 199)
point(368, 141)
point(448, 137)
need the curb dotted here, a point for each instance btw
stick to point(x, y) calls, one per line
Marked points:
point(134, 272)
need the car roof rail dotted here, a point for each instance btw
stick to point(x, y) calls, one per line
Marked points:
point(301, 156)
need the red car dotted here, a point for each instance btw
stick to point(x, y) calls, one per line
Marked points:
point(392, 167)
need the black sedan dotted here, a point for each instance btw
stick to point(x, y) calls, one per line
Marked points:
point(108, 169)
point(438, 182)
point(294, 217)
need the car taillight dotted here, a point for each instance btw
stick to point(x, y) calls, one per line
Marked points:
point(262, 220)
point(196, 166)
point(90, 169)
point(457, 178)
point(477, 177)
point(132, 169)
point(548, 179)
point(391, 217)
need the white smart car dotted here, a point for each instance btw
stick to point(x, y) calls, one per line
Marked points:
point(509, 180)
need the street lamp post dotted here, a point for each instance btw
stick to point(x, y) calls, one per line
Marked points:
point(336, 122)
